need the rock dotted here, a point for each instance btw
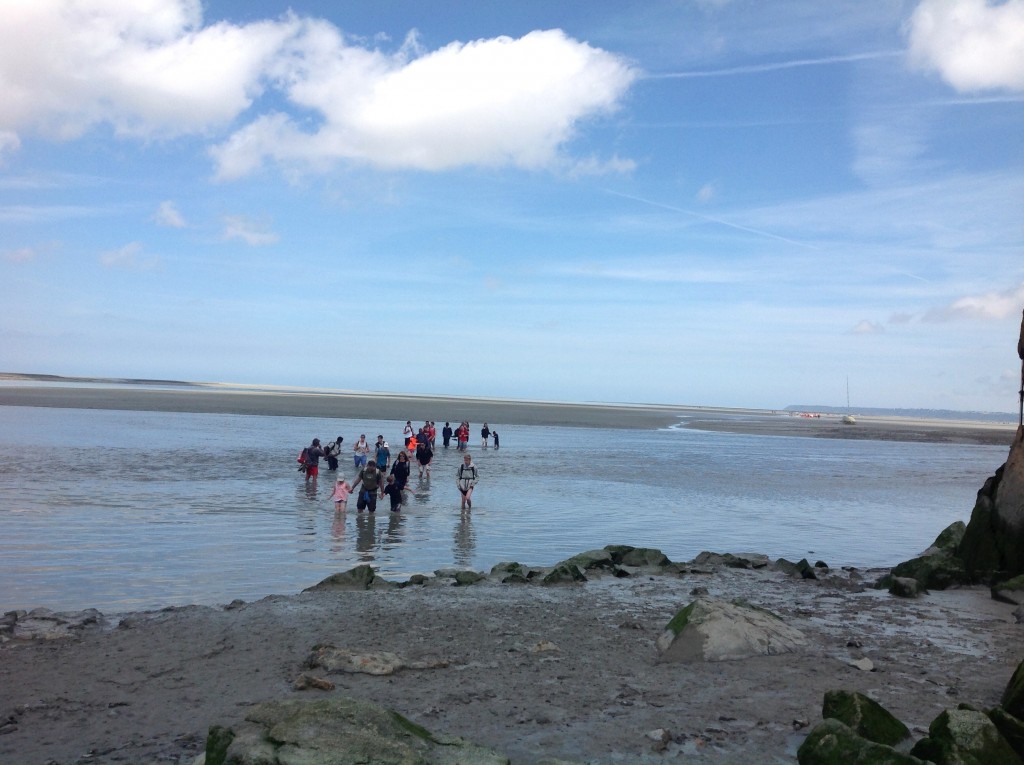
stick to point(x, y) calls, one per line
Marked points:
point(834, 743)
point(1010, 728)
point(714, 630)
point(865, 716)
point(335, 659)
point(645, 557)
point(564, 573)
point(905, 587)
point(938, 571)
point(465, 578)
point(806, 570)
point(965, 737)
point(591, 559)
point(864, 664)
point(44, 624)
point(305, 681)
point(993, 544)
point(341, 732)
point(1010, 591)
point(731, 560)
point(1013, 696)
point(949, 539)
point(359, 578)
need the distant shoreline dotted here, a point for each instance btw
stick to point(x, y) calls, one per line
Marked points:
point(222, 398)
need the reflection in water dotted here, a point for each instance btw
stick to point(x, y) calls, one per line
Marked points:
point(394, 532)
point(366, 524)
point(465, 540)
point(338, 532)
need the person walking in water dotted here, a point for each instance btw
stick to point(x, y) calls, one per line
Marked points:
point(340, 495)
point(485, 433)
point(446, 434)
point(360, 452)
point(332, 452)
point(466, 478)
point(370, 478)
point(312, 463)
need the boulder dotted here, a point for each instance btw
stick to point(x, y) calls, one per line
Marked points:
point(732, 560)
point(337, 732)
point(1010, 591)
point(866, 717)
point(359, 578)
point(1010, 728)
point(715, 630)
point(44, 624)
point(465, 578)
point(905, 587)
point(937, 571)
point(1013, 696)
point(949, 538)
point(831, 742)
point(564, 573)
point(965, 737)
point(993, 544)
point(625, 555)
point(592, 559)
point(335, 659)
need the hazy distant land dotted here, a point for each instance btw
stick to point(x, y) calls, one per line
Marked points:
point(266, 400)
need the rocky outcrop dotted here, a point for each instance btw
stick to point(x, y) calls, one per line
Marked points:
point(858, 731)
point(865, 716)
point(337, 732)
point(715, 630)
point(993, 545)
point(44, 624)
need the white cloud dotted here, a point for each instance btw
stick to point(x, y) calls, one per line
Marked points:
point(151, 68)
point(706, 193)
point(167, 214)
point(973, 44)
point(991, 306)
point(253, 232)
point(490, 102)
point(146, 67)
point(129, 257)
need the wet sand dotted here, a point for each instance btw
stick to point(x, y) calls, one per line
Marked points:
point(568, 672)
point(296, 402)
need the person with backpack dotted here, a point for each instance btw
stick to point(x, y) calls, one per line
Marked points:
point(446, 434)
point(424, 454)
point(369, 477)
point(332, 452)
point(311, 459)
point(465, 478)
point(382, 454)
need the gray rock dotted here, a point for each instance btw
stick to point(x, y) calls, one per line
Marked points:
point(715, 630)
point(905, 587)
point(465, 578)
point(833, 743)
point(44, 624)
point(865, 716)
point(338, 732)
point(564, 573)
point(965, 737)
point(359, 578)
point(1013, 696)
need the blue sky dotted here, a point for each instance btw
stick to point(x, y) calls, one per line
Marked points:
point(709, 202)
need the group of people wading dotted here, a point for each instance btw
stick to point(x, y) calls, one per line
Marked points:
point(379, 477)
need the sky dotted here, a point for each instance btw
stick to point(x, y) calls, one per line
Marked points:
point(707, 202)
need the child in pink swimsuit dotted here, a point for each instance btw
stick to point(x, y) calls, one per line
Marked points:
point(340, 495)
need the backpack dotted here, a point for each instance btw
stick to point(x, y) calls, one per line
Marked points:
point(375, 480)
point(302, 456)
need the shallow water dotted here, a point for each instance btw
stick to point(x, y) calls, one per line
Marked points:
point(131, 510)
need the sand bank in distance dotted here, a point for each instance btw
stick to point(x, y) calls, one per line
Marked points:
point(225, 398)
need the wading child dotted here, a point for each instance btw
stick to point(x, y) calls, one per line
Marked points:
point(340, 495)
point(394, 493)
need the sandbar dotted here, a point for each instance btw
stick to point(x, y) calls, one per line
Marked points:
point(342, 404)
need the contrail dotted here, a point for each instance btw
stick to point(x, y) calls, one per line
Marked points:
point(773, 67)
point(712, 219)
